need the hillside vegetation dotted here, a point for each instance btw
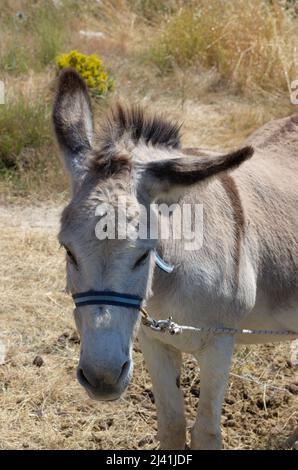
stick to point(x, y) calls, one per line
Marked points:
point(223, 68)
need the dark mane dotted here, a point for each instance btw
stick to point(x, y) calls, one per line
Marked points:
point(138, 126)
point(133, 121)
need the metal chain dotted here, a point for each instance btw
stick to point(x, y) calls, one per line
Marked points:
point(174, 328)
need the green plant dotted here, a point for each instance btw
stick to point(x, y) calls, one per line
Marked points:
point(31, 39)
point(15, 59)
point(91, 68)
point(24, 126)
point(51, 32)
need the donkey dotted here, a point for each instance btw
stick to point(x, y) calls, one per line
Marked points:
point(243, 276)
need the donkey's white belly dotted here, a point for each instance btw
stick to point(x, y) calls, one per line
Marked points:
point(191, 342)
point(263, 316)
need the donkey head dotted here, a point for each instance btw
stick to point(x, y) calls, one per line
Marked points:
point(135, 159)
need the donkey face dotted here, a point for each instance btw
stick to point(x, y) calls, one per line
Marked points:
point(123, 266)
point(137, 160)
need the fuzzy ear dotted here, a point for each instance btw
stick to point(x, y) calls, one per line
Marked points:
point(168, 178)
point(73, 122)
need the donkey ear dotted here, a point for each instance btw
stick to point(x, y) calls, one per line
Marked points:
point(73, 122)
point(169, 178)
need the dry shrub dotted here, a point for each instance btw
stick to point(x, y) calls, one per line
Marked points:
point(252, 44)
point(29, 158)
point(197, 44)
point(24, 124)
point(152, 10)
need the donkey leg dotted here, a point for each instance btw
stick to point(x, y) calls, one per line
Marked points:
point(215, 361)
point(164, 363)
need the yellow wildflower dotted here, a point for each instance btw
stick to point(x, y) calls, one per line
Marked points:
point(91, 68)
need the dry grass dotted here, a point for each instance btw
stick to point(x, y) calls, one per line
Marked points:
point(24, 125)
point(28, 26)
point(44, 407)
point(194, 91)
point(252, 44)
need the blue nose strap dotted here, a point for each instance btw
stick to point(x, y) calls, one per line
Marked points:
point(107, 298)
point(114, 298)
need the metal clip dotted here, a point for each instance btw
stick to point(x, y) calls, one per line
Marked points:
point(165, 325)
point(174, 328)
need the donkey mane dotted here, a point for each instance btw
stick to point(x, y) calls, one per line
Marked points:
point(139, 125)
point(130, 124)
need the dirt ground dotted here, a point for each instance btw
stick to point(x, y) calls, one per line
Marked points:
point(43, 407)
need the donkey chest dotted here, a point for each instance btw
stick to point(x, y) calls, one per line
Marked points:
point(198, 293)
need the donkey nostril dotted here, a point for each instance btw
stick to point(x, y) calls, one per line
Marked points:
point(124, 369)
point(105, 379)
point(83, 379)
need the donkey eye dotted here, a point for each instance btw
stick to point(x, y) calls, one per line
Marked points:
point(71, 256)
point(141, 259)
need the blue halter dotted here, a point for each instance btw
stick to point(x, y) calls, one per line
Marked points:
point(115, 298)
point(107, 298)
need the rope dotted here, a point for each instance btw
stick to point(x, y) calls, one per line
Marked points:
point(174, 328)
